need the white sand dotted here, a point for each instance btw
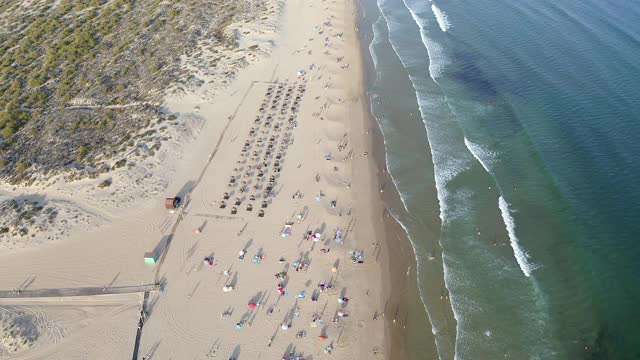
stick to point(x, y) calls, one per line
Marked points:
point(185, 319)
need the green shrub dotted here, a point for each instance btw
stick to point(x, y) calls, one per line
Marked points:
point(82, 150)
point(172, 13)
point(22, 166)
point(8, 132)
point(35, 81)
point(26, 215)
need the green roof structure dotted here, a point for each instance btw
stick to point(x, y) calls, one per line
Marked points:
point(150, 258)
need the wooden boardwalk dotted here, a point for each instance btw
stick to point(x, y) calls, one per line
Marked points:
point(81, 291)
point(143, 317)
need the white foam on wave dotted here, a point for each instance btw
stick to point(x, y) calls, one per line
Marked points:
point(440, 182)
point(440, 189)
point(437, 57)
point(446, 166)
point(441, 17)
point(434, 330)
point(375, 40)
point(450, 159)
point(485, 157)
point(521, 255)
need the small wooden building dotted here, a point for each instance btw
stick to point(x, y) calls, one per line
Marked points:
point(172, 203)
point(150, 258)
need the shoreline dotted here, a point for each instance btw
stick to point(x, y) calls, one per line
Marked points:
point(395, 254)
point(400, 253)
point(392, 238)
point(390, 247)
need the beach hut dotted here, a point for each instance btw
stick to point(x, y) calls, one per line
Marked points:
point(172, 203)
point(150, 258)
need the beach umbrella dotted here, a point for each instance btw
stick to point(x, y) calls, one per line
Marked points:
point(252, 305)
point(341, 313)
point(284, 327)
point(322, 337)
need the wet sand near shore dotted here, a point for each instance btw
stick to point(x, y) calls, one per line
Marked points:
point(407, 323)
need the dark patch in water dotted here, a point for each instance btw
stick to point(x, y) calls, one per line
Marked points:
point(465, 71)
point(608, 345)
point(501, 121)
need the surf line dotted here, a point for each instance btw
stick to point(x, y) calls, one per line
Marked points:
point(487, 159)
point(441, 17)
point(521, 255)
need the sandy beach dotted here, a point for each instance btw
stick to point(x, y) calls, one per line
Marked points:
point(281, 246)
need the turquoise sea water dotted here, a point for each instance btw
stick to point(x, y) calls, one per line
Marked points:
point(511, 130)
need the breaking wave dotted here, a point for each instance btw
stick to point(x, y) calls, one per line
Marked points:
point(521, 256)
point(437, 58)
point(375, 41)
point(485, 157)
point(441, 17)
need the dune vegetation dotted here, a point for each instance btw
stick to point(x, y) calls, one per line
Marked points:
point(82, 80)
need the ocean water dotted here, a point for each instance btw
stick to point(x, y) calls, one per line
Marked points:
point(512, 133)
